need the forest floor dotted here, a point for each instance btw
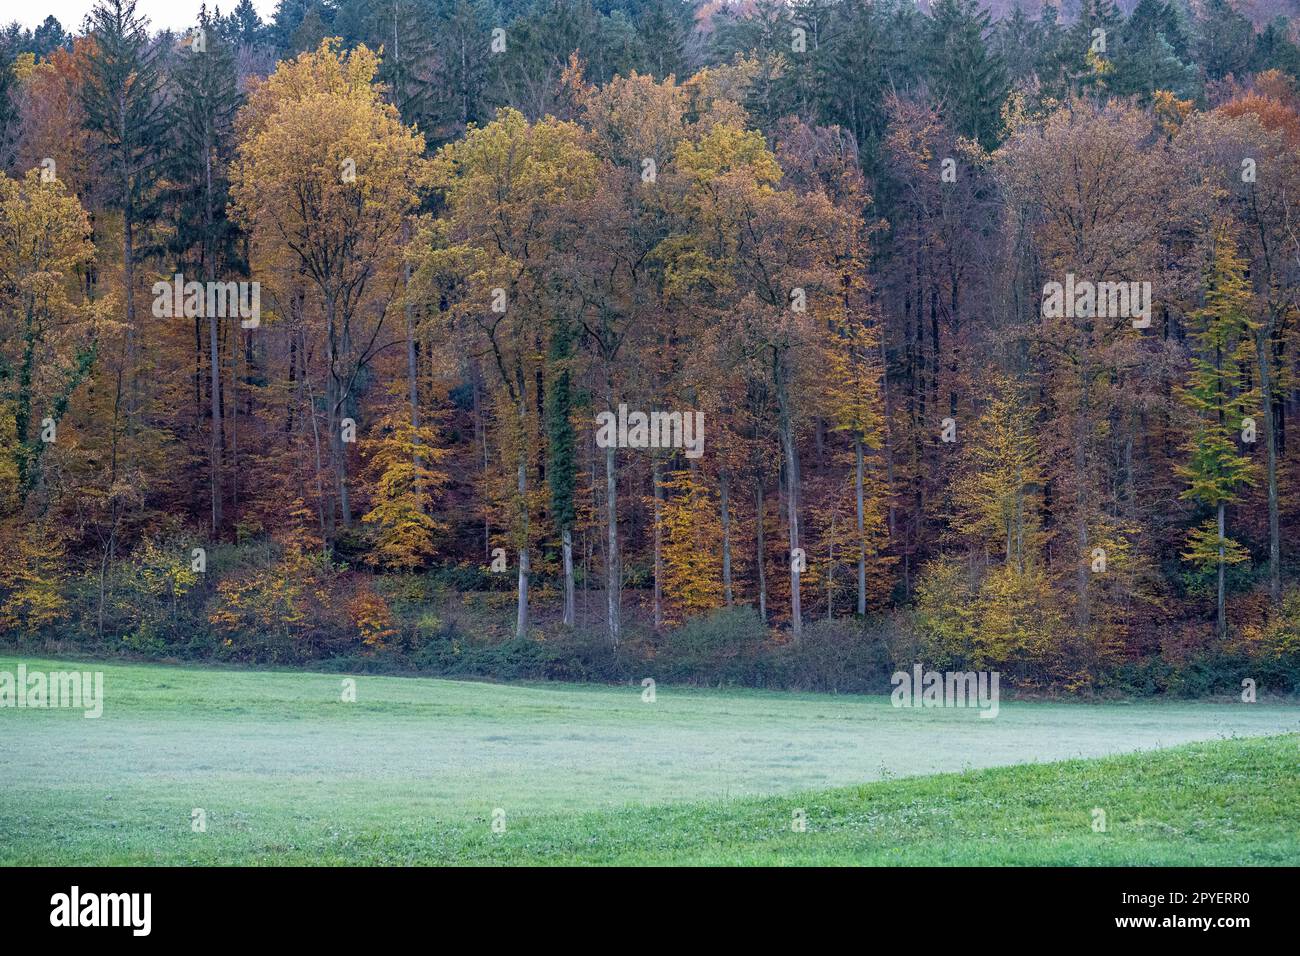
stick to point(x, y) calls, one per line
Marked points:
point(279, 769)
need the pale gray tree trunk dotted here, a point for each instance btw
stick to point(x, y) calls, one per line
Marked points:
point(613, 579)
point(570, 611)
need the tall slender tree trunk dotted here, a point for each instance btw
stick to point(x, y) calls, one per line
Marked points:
point(792, 503)
point(1263, 348)
point(293, 397)
point(888, 437)
point(761, 544)
point(613, 571)
point(862, 527)
point(480, 430)
point(1266, 355)
point(214, 350)
point(659, 542)
point(1223, 619)
point(521, 616)
point(215, 451)
point(613, 574)
point(198, 367)
point(231, 406)
point(337, 512)
point(1083, 611)
point(724, 493)
point(29, 450)
point(326, 515)
point(345, 501)
point(334, 439)
point(570, 610)
point(521, 610)
point(128, 279)
point(413, 391)
point(830, 576)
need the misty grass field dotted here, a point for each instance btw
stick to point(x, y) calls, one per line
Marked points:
point(415, 769)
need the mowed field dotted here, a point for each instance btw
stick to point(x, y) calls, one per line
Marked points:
point(416, 771)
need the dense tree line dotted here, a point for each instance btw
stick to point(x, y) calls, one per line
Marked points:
point(477, 234)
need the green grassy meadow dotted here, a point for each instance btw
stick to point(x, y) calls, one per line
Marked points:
point(414, 771)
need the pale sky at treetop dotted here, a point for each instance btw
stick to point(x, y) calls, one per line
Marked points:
point(162, 14)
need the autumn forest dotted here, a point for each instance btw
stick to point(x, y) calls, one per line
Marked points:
point(766, 343)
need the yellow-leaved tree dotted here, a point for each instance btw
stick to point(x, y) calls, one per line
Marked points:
point(996, 496)
point(51, 340)
point(514, 194)
point(997, 613)
point(48, 343)
point(404, 459)
point(692, 532)
point(325, 180)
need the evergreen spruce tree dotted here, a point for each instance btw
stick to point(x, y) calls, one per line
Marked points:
point(48, 37)
point(764, 35)
point(311, 30)
point(205, 100)
point(1274, 50)
point(1147, 54)
point(1018, 40)
point(126, 111)
point(968, 76)
point(289, 15)
point(243, 26)
point(854, 75)
point(663, 27)
point(460, 71)
point(1225, 41)
point(8, 91)
point(400, 29)
point(1081, 59)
